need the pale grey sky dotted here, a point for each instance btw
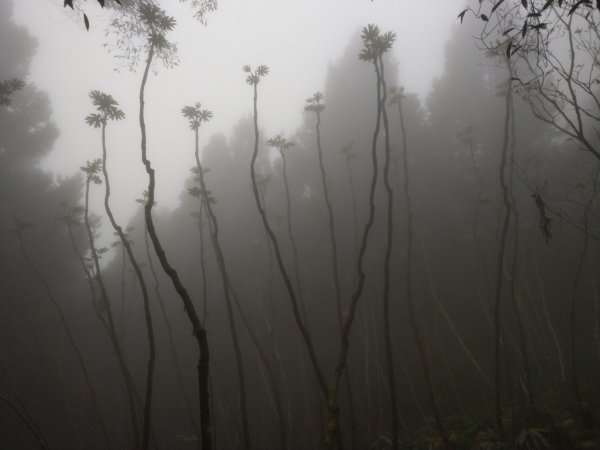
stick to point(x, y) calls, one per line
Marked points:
point(296, 39)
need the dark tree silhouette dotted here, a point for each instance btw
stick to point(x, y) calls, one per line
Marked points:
point(155, 24)
point(108, 109)
point(253, 79)
point(195, 117)
point(283, 145)
point(91, 170)
point(20, 226)
point(9, 87)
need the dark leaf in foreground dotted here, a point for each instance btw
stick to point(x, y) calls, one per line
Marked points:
point(575, 6)
point(496, 5)
point(547, 4)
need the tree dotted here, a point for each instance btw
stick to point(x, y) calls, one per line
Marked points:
point(19, 228)
point(151, 30)
point(196, 116)
point(283, 146)
point(9, 87)
point(27, 135)
point(108, 109)
point(91, 171)
point(551, 50)
point(375, 45)
point(561, 87)
point(200, 7)
point(253, 79)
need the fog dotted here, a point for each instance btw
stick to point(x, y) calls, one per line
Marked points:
point(297, 40)
point(374, 225)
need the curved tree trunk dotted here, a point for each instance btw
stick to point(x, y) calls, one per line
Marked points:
point(523, 344)
point(358, 290)
point(105, 303)
point(146, 299)
point(198, 329)
point(71, 340)
point(389, 235)
point(27, 421)
point(288, 212)
point(271, 380)
point(296, 309)
point(174, 351)
point(336, 272)
point(500, 266)
point(226, 282)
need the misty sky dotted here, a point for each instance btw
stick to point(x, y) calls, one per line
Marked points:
point(296, 39)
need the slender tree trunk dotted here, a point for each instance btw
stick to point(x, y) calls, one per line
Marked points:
point(214, 231)
point(284, 273)
point(354, 213)
point(122, 320)
point(297, 273)
point(574, 303)
point(336, 274)
point(27, 421)
point(500, 262)
point(88, 276)
point(309, 416)
point(273, 342)
point(389, 229)
point(450, 323)
point(363, 330)
point(288, 212)
point(523, 344)
point(271, 380)
point(203, 267)
point(378, 371)
point(443, 349)
point(559, 353)
point(596, 323)
point(414, 320)
point(534, 320)
point(146, 299)
point(70, 338)
point(482, 260)
point(174, 351)
point(127, 378)
point(198, 329)
point(411, 387)
point(20, 407)
point(333, 428)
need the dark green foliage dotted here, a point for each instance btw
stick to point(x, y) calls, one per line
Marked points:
point(255, 76)
point(196, 116)
point(200, 8)
point(375, 44)
point(143, 27)
point(92, 170)
point(314, 103)
point(7, 88)
point(108, 109)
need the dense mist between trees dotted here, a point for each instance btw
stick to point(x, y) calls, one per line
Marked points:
point(396, 258)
